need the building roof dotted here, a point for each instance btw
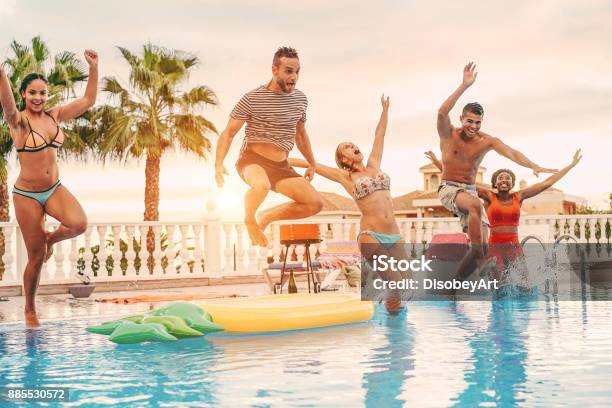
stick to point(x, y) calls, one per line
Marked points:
point(427, 194)
point(404, 202)
point(337, 202)
point(429, 166)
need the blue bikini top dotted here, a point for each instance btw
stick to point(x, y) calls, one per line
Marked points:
point(366, 185)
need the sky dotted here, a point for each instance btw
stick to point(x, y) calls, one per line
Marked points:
point(544, 79)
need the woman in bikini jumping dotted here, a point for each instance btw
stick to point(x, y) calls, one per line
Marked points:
point(37, 135)
point(369, 187)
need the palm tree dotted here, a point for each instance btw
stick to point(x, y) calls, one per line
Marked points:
point(64, 73)
point(153, 116)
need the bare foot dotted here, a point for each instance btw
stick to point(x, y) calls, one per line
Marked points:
point(31, 320)
point(262, 220)
point(49, 247)
point(256, 234)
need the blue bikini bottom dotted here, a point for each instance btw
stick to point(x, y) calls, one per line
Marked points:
point(386, 240)
point(41, 196)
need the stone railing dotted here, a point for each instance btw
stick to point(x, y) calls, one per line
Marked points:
point(215, 248)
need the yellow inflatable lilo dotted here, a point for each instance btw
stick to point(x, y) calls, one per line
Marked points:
point(287, 312)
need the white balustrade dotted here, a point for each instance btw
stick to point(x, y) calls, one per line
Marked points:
point(215, 248)
point(157, 253)
point(102, 253)
point(170, 252)
point(8, 258)
point(240, 237)
point(142, 252)
point(116, 272)
point(130, 252)
point(184, 253)
point(228, 250)
point(198, 269)
point(58, 256)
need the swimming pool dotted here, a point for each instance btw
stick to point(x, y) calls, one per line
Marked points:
point(437, 354)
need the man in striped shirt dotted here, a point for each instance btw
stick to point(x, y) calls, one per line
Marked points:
point(275, 115)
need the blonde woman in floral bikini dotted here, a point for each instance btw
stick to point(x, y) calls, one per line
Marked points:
point(369, 186)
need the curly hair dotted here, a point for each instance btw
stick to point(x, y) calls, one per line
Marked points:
point(500, 171)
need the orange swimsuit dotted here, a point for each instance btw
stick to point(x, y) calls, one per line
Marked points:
point(505, 247)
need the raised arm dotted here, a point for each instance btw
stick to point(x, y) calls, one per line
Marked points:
point(518, 157)
point(444, 123)
point(303, 144)
point(11, 114)
point(379, 136)
point(223, 145)
point(539, 187)
point(331, 173)
point(79, 106)
point(434, 160)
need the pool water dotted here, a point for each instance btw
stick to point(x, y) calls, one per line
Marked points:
point(436, 354)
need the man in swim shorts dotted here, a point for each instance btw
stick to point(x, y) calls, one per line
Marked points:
point(463, 149)
point(275, 116)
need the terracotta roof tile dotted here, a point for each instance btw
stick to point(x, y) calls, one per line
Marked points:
point(404, 202)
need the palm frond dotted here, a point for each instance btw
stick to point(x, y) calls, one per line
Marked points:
point(171, 66)
point(119, 137)
point(189, 132)
point(66, 71)
point(40, 51)
point(6, 141)
point(114, 87)
point(200, 95)
point(190, 62)
point(128, 56)
point(19, 50)
point(144, 79)
point(75, 144)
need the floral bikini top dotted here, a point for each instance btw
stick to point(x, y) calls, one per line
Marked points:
point(35, 141)
point(366, 185)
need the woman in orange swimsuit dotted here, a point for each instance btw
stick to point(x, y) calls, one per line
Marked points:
point(504, 209)
point(37, 135)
